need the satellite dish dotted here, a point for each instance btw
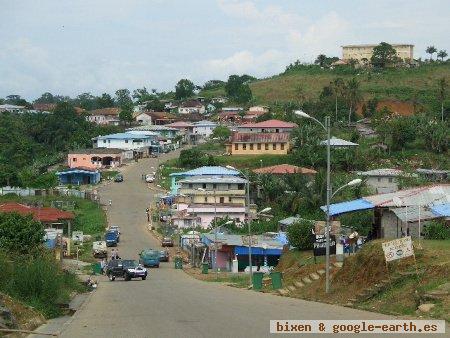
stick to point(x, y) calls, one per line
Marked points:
point(397, 201)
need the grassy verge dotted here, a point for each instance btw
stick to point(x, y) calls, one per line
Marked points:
point(239, 280)
point(109, 174)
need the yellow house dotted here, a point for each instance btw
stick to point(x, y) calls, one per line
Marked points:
point(258, 143)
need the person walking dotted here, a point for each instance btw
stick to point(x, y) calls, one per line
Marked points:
point(110, 202)
point(147, 211)
point(113, 254)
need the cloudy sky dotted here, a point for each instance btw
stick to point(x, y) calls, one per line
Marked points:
point(72, 46)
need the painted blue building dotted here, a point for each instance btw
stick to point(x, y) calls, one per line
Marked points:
point(78, 176)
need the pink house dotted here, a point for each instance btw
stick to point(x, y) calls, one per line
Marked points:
point(97, 158)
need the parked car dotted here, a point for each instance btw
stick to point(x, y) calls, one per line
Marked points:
point(115, 228)
point(166, 241)
point(99, 249)
point(149, 258)
point(163, 256)
point(118, 178)
point(125, 268)
point(154, 155)
point(149, 178)
point(111, 238)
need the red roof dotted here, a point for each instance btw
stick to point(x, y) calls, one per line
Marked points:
point(269, 124)
point(281, 169)
point(179, 124)
point(259, 137)
point(105, 111)
point(44, 214)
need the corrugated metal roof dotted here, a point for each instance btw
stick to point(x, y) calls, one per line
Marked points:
point(290, 220)
point(236, 240)
point(213, 179)
point(337, 142)
point(441, 210)
point(205, 123)
point(208, 170)
point(343, 207)
point(413, 213)
point(120, 136)
point(259, 137)
point(382, 172)
point(269, 124)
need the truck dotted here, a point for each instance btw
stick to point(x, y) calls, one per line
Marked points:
point(99, 249)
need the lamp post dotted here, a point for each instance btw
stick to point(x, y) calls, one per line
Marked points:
point(327, 128)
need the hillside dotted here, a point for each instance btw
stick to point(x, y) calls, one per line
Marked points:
point(403, 84)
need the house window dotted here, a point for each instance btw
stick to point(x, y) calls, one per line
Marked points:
point(240, 186)
point(259, 146)
point(204, 186)
point(190, 185)
point(104, 141)
point(222, 199)
point(251, 146)
point(206, 199)
point(236, 146)
point(74, 159)
point(390, 179)
point(266, 146)
point(282, 146)
point(244, 147)
point(229, 199)
point(274, 146)
point(214, 186)
point(277, 130)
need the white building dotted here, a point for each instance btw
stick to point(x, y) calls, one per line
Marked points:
point(144, 118)
point(383, 180)
point(192, 106)
point(125, 141)
point(203, 128)
point(12, 108)
point(104, 116)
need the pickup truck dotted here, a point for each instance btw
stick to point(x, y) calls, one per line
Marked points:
point(126, 268)
point(111, 238)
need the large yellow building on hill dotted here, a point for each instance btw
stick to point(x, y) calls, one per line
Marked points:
point(360, 52)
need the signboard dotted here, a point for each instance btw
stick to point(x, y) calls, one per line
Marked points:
point(319, 227)
point(77, 236)
point(246, 240)
point(320, 245)
point(398, 249)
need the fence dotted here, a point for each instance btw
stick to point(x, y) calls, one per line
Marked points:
point(60, 191)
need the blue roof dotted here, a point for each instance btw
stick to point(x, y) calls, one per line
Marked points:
point(441, 210)
point(76, 171)
point(122, 136)
point(342, 208)
point(213, 170)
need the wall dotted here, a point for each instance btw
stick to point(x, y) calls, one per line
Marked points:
point(144, 119)
point(391, 230)
point(264, 130)
point(231, 148)
point(360, 52)
point(85, 160)
point(121, 144)
point(382, 184)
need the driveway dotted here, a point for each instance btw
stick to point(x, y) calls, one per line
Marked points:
point(170, 303)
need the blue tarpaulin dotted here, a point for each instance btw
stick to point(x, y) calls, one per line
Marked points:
point(442, 210)
point(243, 250)
point(342, 208)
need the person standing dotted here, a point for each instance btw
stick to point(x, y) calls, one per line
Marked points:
point(110, 202)
point(147, 211)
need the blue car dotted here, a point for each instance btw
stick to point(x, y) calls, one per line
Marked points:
point(149, 258)
point(111, 238)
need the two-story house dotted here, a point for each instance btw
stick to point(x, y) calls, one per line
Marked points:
point(192, 106)
point(269, 126)
point(104, 116)
point(140, 144)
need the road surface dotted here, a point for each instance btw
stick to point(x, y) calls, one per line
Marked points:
point(170, 303)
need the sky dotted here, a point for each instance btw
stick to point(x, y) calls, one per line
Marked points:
point(68, 47)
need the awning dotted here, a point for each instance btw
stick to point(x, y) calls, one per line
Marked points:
point(344, 207)
point(441, 210)
point(243, 250)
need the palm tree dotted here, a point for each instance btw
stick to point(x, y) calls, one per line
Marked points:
point(353, 96)
point(338, 88)
point(442, 54)
point(442, 93)
point(431, 50)
point(320, 60)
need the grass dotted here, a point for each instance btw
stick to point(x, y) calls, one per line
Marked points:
point(109, 174)
point(400, 84)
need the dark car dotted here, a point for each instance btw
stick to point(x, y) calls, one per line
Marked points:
point(125, 268)
point(111, 238)
point(166, 241)
point(164, 256)
point(118, 178)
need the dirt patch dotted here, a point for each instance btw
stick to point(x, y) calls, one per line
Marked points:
point(404, 108)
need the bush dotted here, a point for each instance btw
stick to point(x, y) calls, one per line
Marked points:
point(299, 235)
point(437, 230)
point(20, 233)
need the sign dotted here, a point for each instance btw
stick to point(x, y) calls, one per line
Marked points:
point(398, 249)
point(320, 245)
point(77, 236)
point(246, 240)
point(320, 226)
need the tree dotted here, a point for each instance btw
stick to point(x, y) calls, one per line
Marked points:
point(383, 55)
point(442, 54)
point(431, 50)
point(184, 89)
point(155, 105)
point(353, 96)
point(17, 100)
point(86, 101)
point(20, 234)
point(320, 60)
point(46, 98)
point(104, 101)
point(221, 132)
point(237, 88)
point(299, 235)
point(213, 84)
point(123, 97)
point(126, 113)
point(442, 94)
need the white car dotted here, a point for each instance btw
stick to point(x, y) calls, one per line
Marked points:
point(149, 178)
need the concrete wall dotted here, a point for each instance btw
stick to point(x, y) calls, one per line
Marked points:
point(122, 144)
point(258, 148)
point(382, 184)
point(392, 226)
point(86, 160)
point(361, 52)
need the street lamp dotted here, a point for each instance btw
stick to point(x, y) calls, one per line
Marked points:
point(327, 128)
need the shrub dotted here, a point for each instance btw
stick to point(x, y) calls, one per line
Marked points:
point(19, 233)
point(437, 230)
point(299, 235)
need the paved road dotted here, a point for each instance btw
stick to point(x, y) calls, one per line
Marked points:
point(170, 303)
